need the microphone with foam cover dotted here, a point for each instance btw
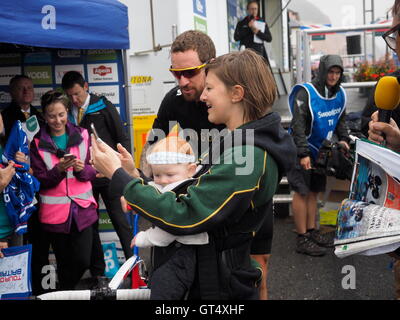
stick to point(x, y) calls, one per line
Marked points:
point(387, 97)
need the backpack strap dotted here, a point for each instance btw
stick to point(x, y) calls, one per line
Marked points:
point(209, 280)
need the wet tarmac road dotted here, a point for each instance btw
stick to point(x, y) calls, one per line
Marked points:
point(294, 276)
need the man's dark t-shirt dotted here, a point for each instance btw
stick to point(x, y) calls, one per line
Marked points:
point(189, 115)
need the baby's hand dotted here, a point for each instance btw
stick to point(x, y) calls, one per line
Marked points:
point(3, 245)
point(124, 205)
point(133, 242)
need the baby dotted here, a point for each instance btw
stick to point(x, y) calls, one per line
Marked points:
point(172, 162)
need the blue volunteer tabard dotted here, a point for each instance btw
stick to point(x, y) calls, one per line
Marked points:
point(325, 114)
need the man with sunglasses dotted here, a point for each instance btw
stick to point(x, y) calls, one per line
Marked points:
point(190, 53)
point(391, 38)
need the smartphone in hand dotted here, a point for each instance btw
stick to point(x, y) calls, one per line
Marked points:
point(69, 156)
point(94, 132)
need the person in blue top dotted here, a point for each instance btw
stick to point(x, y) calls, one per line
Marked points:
point(8, 238)
point(6, 229)
point(318, 110)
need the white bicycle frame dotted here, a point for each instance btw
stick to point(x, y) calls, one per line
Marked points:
point(112, 292)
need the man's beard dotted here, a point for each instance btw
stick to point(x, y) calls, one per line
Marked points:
point(193, 96)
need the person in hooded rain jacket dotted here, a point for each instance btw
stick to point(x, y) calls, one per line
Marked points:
point(318, 110)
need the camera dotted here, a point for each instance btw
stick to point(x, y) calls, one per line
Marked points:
point(334, 160)
point(322, 162)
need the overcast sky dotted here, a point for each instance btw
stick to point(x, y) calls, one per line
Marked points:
point(347, 12)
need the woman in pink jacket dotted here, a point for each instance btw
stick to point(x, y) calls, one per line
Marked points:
point(60, 161)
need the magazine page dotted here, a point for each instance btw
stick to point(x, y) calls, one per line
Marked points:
point(261, 26)
point(368, 247)
point(358, 221)
point(369, 221)
point(383, 249)
point(373, 185)
point(387, 159)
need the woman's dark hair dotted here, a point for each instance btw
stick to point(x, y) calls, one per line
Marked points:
point(396, 8)
point(54, 96)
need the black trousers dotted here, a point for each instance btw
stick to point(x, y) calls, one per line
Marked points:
point(40, 252)
point(73, 252)
point(121, 226)
point(262, 241)
point(173, 279)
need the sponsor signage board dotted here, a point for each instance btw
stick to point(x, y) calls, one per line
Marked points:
point(141, 80)
point(40, 74)
point(39, 91)
point(38, 57)
point(69, 54)
point(10, 58)
point(6, 73)
point(199, 7)
point(101, 54)
point(200, 24)
point(110, 92)
point(60, 70)
point(102, 72)
point(5, 97)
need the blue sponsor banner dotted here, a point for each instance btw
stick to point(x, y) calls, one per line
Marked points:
point(236, 12)
point(110, 259)
point(199, 7)
point(38, 57)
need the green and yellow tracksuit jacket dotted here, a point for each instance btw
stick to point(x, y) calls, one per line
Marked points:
point(228, 200)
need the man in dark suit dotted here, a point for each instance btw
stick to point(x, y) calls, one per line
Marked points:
point(247, 30)
point(20, 108)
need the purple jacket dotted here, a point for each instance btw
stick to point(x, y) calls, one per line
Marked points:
point(83, 217)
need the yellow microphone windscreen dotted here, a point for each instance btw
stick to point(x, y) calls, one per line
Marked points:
point(387, 93)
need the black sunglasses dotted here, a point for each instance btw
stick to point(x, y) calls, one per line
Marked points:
point(186, 72)
point(390, 36)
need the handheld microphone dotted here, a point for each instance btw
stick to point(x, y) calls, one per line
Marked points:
point(387, 97)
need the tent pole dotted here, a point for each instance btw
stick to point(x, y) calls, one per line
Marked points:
point(128, 97)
